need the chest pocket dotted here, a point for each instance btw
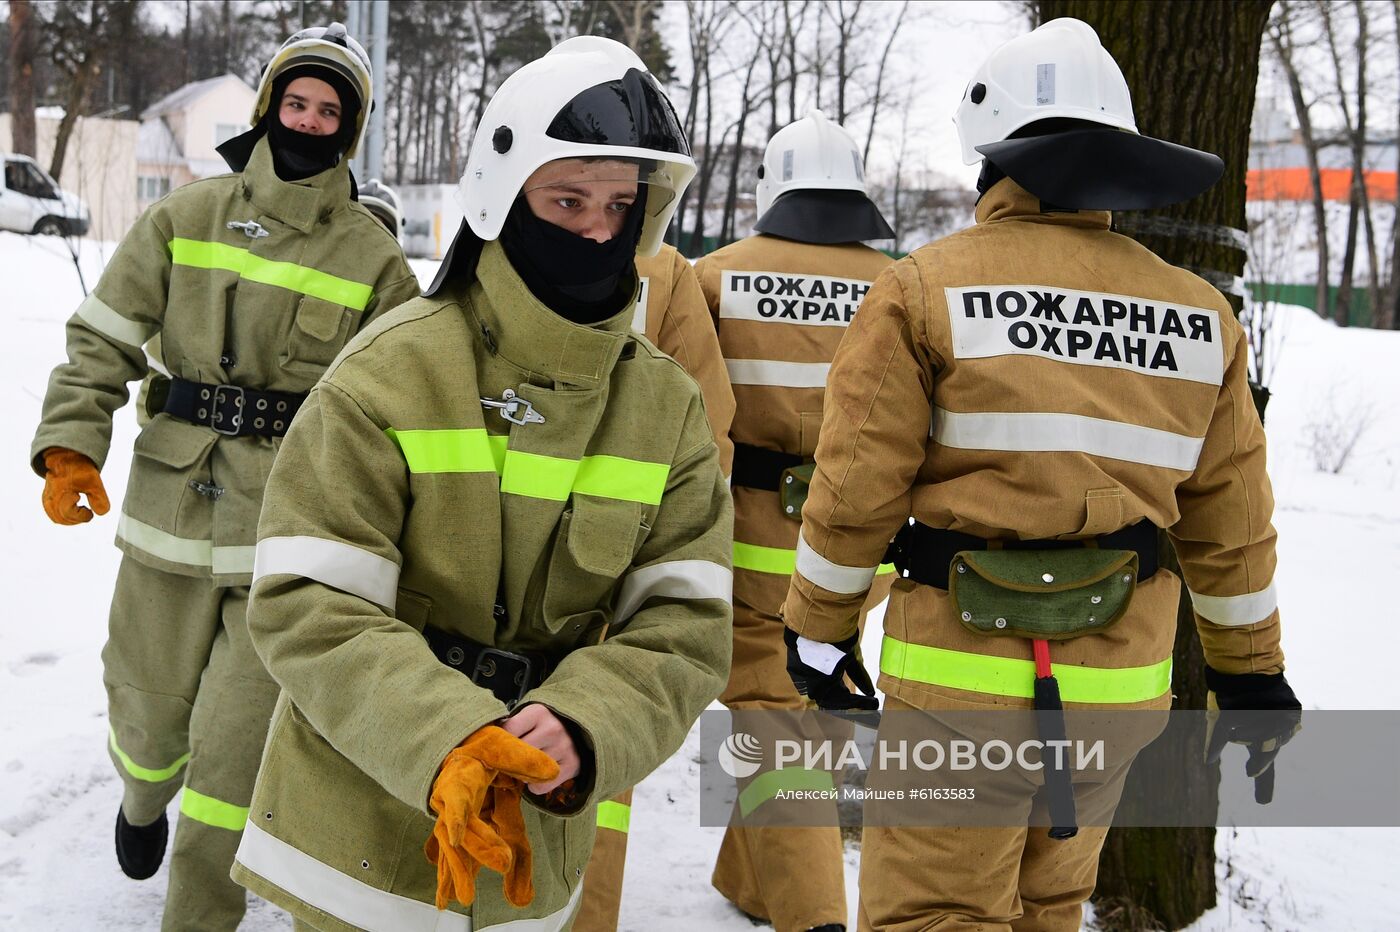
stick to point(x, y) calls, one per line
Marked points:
point(597, 541)
point(320, 329)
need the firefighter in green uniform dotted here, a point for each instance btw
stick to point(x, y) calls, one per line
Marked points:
point(254, 281)
point(527, 551)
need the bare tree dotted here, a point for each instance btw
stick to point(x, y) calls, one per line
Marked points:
point(80, 33)
point(1358, 203)
point(1281, 40)
point(22, 77)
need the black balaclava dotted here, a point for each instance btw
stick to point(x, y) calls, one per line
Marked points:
point(577, 278)
point(300, 155)
point(989, 176)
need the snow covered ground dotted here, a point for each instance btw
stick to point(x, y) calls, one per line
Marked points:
point(58, 792)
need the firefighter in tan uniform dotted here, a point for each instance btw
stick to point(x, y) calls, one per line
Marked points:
point(671, 312)
point(1079, 390)
point(245, 286)
point(781, 301)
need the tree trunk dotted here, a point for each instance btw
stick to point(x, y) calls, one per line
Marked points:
point(22, 77)
point(1283, 46)
point(80, 85)
point(1358, 174)
point(1392, 302)
point(1192, 70)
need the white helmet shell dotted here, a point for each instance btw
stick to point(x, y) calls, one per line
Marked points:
point(1058, 70)
point(379, 199)
point(333, 48)
point(589, 97)
point(812, 153)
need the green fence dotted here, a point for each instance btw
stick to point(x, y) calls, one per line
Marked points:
point(1306, 296)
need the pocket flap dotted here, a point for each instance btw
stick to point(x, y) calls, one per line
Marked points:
point(1051, 594)
point(319, 319)
point(793, 489)
point(1045, 570)
point(603, 534)
point(174, 442)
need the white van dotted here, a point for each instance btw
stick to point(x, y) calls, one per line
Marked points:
point(32, 202)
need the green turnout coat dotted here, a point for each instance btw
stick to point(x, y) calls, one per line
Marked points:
point(398, 500)
point(264, 307)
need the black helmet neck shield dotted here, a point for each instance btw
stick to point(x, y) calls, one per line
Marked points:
point(824, 217)
point(1102, 168)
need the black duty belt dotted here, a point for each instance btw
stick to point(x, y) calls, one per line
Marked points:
point(509, 675)
point(923, 553)
point(232, 410)
point(761, 468)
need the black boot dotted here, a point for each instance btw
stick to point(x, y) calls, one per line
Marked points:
point(829, 927)
point(141, 848)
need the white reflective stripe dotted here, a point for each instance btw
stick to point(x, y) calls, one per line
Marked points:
point(679, 579)
point(780, 374)
point(1247, 609)
point(819, 655)
point(229, 560)
point(1066, 433)
point(833, 577)
point(639, 310)
point(342, 896)
point(186, 550)
point(335, 563)
point(100, 317)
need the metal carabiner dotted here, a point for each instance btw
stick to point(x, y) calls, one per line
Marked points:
point(513, 408)
point(252, 229)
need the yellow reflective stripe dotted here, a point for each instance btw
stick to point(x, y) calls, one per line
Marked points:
point(614, 815)
point(533, 475)
point(1004, 676)
point(767, 785)
point(213, 811)
point(777, 560)
point(139, 772)
point(430, 451)
point(199, 254)
point(616, 477)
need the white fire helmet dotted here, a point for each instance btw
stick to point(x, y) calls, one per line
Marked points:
point(1059, 70)
point(331, 47)
point(812, 153)
point(589, 97)
point(379, 199)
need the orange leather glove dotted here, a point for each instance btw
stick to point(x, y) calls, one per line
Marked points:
point(479, 823)
point(67, 474)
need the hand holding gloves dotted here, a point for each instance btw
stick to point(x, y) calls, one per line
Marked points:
point(477, 800)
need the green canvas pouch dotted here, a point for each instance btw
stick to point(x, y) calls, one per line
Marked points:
point(1051, 595)
point(793, 489)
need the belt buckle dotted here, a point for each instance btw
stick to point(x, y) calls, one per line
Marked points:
point(486, 668)
point(239, 396)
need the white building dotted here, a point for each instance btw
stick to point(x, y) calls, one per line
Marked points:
point(179, 133)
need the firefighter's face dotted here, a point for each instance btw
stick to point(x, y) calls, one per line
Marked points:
point(311, 106)
point(587, 197)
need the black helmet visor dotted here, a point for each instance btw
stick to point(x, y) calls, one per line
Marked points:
point(630, 112)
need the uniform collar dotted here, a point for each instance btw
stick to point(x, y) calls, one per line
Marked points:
point(1007, 200)
point(298, 204)
point(529, 335)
